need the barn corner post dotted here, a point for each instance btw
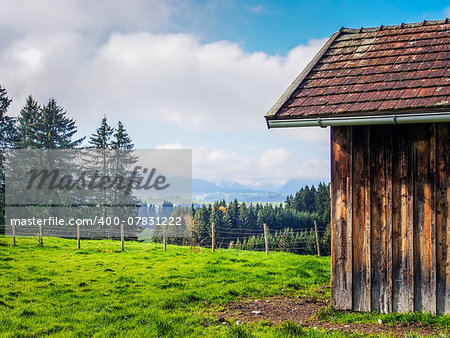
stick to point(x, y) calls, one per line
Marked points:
point(341, 224)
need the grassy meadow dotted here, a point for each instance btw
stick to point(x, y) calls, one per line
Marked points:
point(57, 290)
point(143, 292)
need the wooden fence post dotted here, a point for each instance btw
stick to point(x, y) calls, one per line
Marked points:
point(266, 239)
point(41, 241)
point(14, 234)
point(317, 238)
point(213, 236)
point(164, 237)
point(78, 236)
point(122, 236)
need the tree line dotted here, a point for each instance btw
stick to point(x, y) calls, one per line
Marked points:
point(47, 126)
point(301, 242)
point(240, 225)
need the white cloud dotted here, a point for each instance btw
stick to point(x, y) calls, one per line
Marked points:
point(43, 17)
point(106, 57)
point(31, 57)
point(169, 77)
point(176, 145)
point(275, 165)
point(305, 134)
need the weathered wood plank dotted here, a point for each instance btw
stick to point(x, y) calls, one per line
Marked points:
point(409, 216)
point(361, 220)
point(397, 266)
point(423, 209)
point(340, 156)
point(349, 239)
point(360, 268)
point(432, 301)
point(367, 211)
point(389, 192)
point(400, 220)
point(378, 208)
point(443, 217)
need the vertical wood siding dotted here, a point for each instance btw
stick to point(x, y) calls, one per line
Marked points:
point(390, 218)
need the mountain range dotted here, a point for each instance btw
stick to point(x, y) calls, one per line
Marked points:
point(205, 191)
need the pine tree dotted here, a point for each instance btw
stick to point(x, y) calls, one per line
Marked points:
point(325, 241)
point(7, 139)
point(101, 139)
point(233, 212)
point(252, 217)
point(55, 130)
point(243, 216)
point(323, 203)
point(310, 202)
point(28, 125)
point(121, 140)
point(123, 161)
point(8, 131)
point(122, 154)
point(200, 230)
point(216, 215)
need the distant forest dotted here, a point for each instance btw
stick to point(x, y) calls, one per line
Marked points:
point(290, 224)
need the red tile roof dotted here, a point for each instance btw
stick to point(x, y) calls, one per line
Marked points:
point(374, 71)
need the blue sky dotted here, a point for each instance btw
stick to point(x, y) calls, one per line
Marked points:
point(187, 74)
point(278, 26)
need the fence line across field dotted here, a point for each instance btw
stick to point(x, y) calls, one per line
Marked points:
point(249, 234)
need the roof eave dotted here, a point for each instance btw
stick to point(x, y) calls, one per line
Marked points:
point(334, 121)
point(294, 85)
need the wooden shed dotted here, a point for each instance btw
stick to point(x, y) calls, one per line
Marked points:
point(385, 93)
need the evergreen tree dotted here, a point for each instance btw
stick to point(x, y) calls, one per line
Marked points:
point(233, 212)
point(113, 156)
point(28, 125)
point(310, 197)
point(55, 130)
point(122, 154)
point(243, 221)
point(201, 229)
point(121, 140)
point(252, 216)
point(7, 139)
point(123, 161)
point(323, 203)
point(216, 214)
point(101, 139)
point(7, 123)
point(325, 242)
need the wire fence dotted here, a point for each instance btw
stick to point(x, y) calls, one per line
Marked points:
point(295, 240)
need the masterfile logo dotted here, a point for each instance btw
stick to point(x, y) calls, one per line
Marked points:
point(97, 189)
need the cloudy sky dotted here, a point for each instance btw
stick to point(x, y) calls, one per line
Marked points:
point(185, 73)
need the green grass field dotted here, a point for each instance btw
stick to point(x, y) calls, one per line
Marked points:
point(58, 290)
point(144, 291)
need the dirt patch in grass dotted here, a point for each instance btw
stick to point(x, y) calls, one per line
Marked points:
point(277, 310)
point(274, 310)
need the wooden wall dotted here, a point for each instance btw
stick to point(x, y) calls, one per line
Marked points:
point(390, 215)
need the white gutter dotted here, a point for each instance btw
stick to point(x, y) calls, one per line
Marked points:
point(361, 120)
